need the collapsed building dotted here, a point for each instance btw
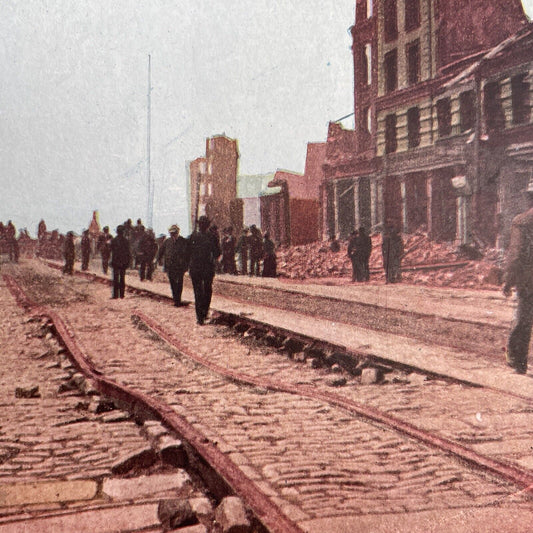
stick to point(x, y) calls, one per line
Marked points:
point(443, 136)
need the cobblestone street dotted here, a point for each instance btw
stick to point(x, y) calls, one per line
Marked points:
point(313, 459)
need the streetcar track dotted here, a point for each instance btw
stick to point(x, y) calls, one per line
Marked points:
point(522, 478)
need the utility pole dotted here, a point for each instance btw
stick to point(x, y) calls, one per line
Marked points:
point(150, 206)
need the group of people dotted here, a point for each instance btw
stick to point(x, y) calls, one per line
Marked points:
point(360, 248)
point(256, 253)
point(8, 240)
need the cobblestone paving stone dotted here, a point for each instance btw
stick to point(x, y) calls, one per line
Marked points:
point(308, 455)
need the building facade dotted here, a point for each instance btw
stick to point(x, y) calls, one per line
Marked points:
point(430, 92)
point(213, 184)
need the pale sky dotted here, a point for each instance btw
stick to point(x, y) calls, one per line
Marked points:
point(73, 98)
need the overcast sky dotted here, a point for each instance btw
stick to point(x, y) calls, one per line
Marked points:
point(73, 98)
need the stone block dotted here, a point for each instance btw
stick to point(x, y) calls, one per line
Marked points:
point(172, 451)
point(370, 376)
point(201, 506)
point(145, 486)
point(173, 513)
point(336, 382)
point(19, 494)
point(231, 516)
point(27, 392)
point(142, 458)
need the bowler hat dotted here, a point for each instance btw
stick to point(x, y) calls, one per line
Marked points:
point(173, 229)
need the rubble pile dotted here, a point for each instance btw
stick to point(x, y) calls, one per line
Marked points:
point(425, 262)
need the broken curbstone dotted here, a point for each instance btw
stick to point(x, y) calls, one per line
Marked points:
point(142, 458)
point(231, 516)
point(370, 376)
point(174, 513)
point(172, 451)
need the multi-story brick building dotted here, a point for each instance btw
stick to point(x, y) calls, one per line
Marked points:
point(436, 107)
point(213, 184)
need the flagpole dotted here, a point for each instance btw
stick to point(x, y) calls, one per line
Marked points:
point(150, 205)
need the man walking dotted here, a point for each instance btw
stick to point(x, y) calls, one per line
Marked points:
point(175, 251)
point(519, 274)
point(120, 260)
point(204, 250)
point(85, 250)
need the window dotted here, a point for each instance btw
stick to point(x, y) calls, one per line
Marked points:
point(369, 8)
point(413, 127)
point(413, 62)
point(391, 20)
point(444, 117)
point(202, 189)
point(366, 65)
point(412, 14)
point(365, 121)
point(210, 168)
point(209, 189)
point(391, 71)
point(467, 110)
point(391, 143)
point(492, 107)
point(520, 99)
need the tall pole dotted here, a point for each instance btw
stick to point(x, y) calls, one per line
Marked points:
point(150, 206)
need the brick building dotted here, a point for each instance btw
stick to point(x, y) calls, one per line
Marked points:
point(213, 184)
point(441, 94)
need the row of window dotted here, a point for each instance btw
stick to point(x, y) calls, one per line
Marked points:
point(492, 108)
point(390, 65)
point(412, 18)
point(411, 12)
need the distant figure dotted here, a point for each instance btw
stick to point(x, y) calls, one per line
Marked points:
point(104, 247)
point(85, 250)
point(392, 252)
point(41, 230)
point(334, 245)
point(137, 236)
point(256, 250)
point(365, 249)
point(519, 274)
point(146, 251)
point(269, 257)
point(242, 249)
point(120, 260)
point(12, 244)
point(69, 254)
point(354, 254)
point(204, 250)
point(175, 253)
point(228, 252)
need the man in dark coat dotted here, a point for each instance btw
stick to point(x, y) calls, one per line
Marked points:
point(354, 254)
point(85, 250)
point(242, 249)
point(228, 252)
point(69, 254)
point(204, 250)
point(146, 253)
point(364, 250)
point(519, 274)
point(256, 250)
point(175, 251)
point(13, 247)
point(392, 251)
point(269, 258)
point(120, 260)
point(104, 247)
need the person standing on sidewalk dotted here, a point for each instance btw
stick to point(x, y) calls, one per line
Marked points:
point(120, 260)
point(519, 274)
point(104, 247)
point(69, 253)
point(85, 250)
point(205, 250)
point(175, 251)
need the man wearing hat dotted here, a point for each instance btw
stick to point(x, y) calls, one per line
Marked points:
point(205, 250)
point(120, 260)
point(175, 254)
point(519, 274)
